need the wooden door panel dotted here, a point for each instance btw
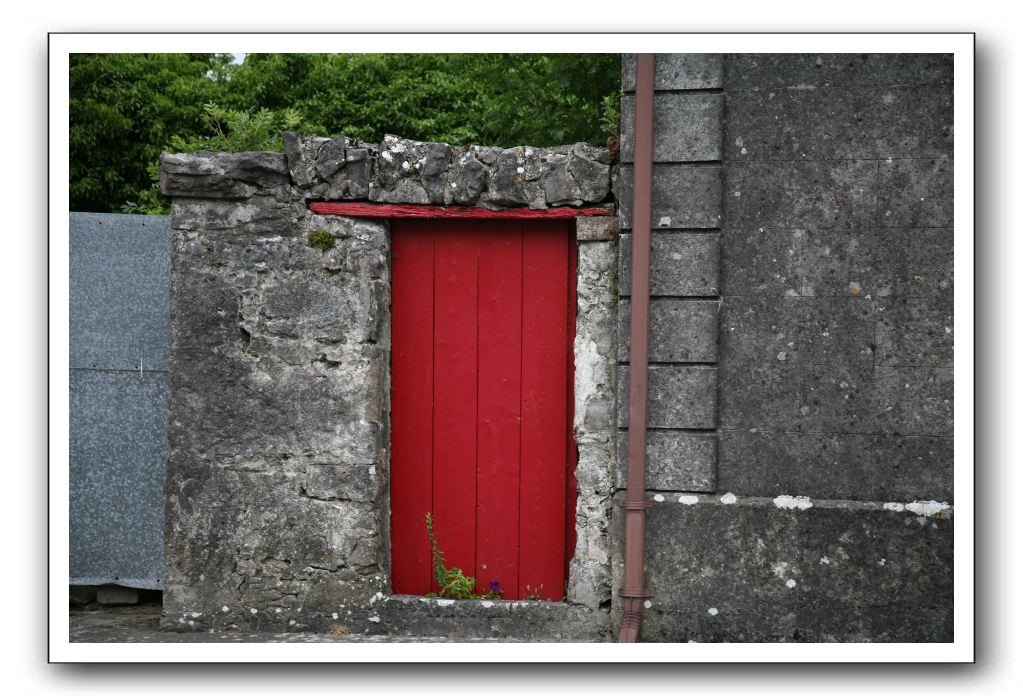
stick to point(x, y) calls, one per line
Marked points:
point(482, 325)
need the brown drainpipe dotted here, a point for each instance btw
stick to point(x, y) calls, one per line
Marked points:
point(635, 590)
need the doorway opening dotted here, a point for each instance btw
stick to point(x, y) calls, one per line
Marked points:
point(483, 323)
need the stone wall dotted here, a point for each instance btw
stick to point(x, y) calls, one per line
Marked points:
point(277, 477)
point(814, 502)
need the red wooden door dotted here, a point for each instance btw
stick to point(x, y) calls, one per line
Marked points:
point(483, 319)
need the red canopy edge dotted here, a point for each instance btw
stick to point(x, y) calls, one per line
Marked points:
point(372, 210)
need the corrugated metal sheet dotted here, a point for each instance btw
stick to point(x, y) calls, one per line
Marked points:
point(120, 339)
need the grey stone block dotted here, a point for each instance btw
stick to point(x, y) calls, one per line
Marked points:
point(683, 196)
point(231, 175)
point(759, 573)
point(915, 193)
point(915, 331)
point(835, 466)
point(866, 263)
point(760, 261)
point(793, 330)
point(876, 263)
point(118, 448)
point(914, 468)
point(820, 465)
point(680, 330)
point(687, 127)
point(837, 399)
point(914, 400)
point(758, 396)
point(596, 229)
point(831, 123)
point(675, 460)
point(799, 195)
point(680, 264)
point(677, 71)
point(497, 620)
point(807, 71)
point(677, 396)
point(120, 291)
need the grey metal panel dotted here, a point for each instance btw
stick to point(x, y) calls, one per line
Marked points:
point(118, 455)
point(120, 337)
point(120, 288)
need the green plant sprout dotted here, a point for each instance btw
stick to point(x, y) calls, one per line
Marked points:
point(453, 583)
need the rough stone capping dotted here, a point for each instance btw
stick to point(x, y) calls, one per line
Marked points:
point(276, 520)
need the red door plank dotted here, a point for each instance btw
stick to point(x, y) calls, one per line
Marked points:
point(412, 247)
point(455, 369)
point(544, 409)
point(500, 350)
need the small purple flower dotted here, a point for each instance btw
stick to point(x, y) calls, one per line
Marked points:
point(495, 586)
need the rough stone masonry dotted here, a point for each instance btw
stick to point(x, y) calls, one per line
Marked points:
point(277, 495)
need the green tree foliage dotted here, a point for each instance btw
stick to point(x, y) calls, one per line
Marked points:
point(127, 108)
point(124, 108)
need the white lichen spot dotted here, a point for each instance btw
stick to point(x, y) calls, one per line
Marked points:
point(926, 508)
point(191, 623)
point(225, 609)
point(881, 562)
point(688, 499)
point(252, 611)
point(291, 623)
point(788, 502)
point(334, 616)
point(487, 604)
point(779, 568)
point(520, 170)
point(728, 498)
point(445, 602)
point(825, 560)
point(738, 141)
point(676, 256)
point(454, 184)
point(406, 166)
point(790, 583)
point(529, 151)
point(894, 507)
point(737, 193)
point(713, 611)
point(659, 498)
point(375, 619)
point(743, 151)
point(196, 614)
point(387, 156)
point(277, 610)
point(782, 355)
point(648, 604)
point(948, 330)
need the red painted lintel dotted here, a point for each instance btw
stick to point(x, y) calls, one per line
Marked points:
point(372, 210)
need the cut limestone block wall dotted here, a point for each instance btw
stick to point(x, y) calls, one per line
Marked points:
point(826, 512)
point(277, 478)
